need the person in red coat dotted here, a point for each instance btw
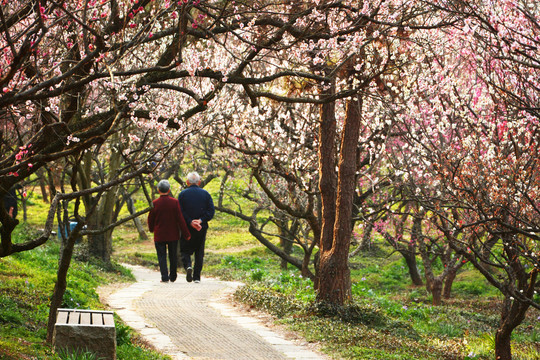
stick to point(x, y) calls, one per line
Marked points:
point(166, 221)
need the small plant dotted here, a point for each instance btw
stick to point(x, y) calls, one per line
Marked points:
point(123, 333)
point(449, 330)
point(76, 354)
point(257, 274)
point(471, 356)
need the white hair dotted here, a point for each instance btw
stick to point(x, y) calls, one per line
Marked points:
point(193, 178)
point(164, 186)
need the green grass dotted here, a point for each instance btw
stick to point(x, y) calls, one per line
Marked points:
point(388, 318)
point(26, 284)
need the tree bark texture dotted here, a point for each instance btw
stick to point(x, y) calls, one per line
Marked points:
point(327, 178)
point(448, 282)
point(335, 279)
point(61, 279)
point(284, 241)
point(327, 173)
point(410, 259)
point(436, 287)
point(100, 245)
point(512, 315)
point(137, 221)
point(43, 185)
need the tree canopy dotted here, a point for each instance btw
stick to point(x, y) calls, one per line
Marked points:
point(341, 111)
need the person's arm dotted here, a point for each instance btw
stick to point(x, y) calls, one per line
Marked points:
point(209, 209)
point(183, 226)
point(187, 219)
point(150, 220)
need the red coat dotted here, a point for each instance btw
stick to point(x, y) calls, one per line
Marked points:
point(166, 221)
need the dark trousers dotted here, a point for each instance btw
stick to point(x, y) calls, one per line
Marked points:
point(161, 249)
point(194, 246)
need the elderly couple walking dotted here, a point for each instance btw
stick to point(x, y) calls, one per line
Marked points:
point(185, 219)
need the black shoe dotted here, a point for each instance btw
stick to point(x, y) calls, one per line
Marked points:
point(164, 281)
point(189, 274)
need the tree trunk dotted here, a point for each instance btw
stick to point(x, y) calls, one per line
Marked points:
point(61, 280)
point(503, 350)
point(43, 185)
point(100, 245)
point(287, 247)
point(448, 282)
point(137, 221)
point(335, 281)
point(436, 286)
point(513, 314)
point(335, 284)
point(24, 207)
point(365, 243)
point(327, 179)
point(410, 260)
point(51, 183)
point(410, 254)
point(284, 237)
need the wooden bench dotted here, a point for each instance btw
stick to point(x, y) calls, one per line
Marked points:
point(86, 330)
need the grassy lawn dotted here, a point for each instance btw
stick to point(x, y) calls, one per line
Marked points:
point(26, 282)
point(388, 319)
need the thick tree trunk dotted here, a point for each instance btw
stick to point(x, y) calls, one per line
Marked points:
point(512, 315)
point(503, 349)
point(436, 286)
point(327, 181)
point(335, 284)
point(410, 260)
point(100, 245)
point(335, 281)
point(448, 282)
point(327, 174)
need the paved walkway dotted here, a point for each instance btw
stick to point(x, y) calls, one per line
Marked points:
point(198, 321)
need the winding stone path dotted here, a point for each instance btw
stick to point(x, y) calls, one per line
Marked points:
point(196, 321)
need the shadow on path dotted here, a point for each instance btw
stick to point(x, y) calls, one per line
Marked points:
point(197, 321)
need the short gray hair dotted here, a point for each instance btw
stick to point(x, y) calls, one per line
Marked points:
point(164, 186)
point(193, 177)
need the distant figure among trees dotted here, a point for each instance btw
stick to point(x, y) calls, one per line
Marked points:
point(10, 201)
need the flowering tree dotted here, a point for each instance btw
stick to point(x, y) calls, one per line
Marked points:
point(75, 74)
point(339, 57)
point(59, 96)
point(472, 154)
